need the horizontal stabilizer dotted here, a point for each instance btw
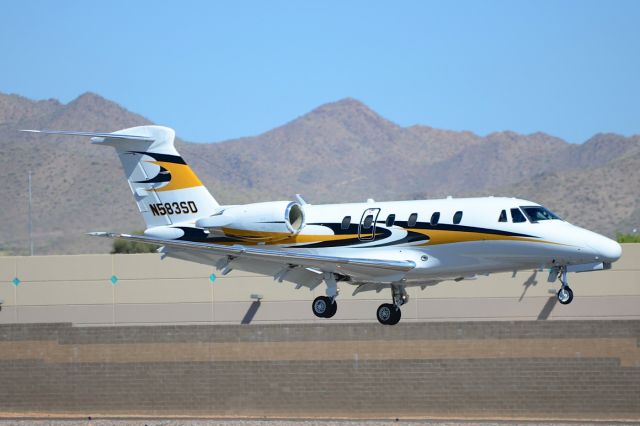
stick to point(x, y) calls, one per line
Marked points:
point(92, 134)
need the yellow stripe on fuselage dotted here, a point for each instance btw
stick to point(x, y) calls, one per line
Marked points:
point(437, 237)
point(283, 237)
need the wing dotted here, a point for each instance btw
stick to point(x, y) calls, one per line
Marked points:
point(288, 265)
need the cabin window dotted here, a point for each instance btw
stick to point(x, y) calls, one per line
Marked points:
point(435, 218)
point(457, 217)
point(391, 219)
point(413, 218)
point(345, 222)
point(503, 216)
point(517, 216)
point(368, 221)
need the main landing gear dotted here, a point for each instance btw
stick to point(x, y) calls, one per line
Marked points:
point(565, 294)
point(390, 313)
point(326, 306)
point(387, 313)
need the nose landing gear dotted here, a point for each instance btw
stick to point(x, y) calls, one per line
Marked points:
point(565, 294)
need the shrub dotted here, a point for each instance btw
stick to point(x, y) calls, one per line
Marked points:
point(129, 247)
point(628, 238)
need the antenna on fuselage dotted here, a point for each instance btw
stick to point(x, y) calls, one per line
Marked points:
point(300, 200)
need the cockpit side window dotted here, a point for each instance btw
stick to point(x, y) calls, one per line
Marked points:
point(538, 213)
point(517, 216)
point(503, 216)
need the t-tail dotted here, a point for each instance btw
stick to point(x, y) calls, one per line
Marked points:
point(164, 187)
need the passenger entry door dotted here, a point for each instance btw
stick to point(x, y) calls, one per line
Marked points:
point(367, 226)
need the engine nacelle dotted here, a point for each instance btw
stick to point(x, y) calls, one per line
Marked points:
point(261, 221)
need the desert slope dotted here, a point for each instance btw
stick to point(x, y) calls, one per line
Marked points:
point(341, 151)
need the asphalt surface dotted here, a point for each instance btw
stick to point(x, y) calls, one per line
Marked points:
point(222, 422)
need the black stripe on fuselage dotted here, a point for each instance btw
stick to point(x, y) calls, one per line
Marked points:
point(353, 228)
point(337, 228)
point(382, 233)
point(411, 238)
point(199, 236)
point(460, 228)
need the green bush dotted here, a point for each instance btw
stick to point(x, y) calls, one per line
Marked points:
point(129, 247)
point(628, 238)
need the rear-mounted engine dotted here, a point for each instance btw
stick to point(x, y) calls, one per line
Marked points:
point(260, 221)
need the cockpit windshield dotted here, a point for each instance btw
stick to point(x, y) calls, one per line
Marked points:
point(538, 213)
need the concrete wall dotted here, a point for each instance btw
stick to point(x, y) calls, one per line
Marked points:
point(502, 369)
point(148, 290)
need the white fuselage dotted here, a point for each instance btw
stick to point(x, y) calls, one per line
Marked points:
point(477, 243)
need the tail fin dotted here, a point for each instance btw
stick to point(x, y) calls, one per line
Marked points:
point(165, 188)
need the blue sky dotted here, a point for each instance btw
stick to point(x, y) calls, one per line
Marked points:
point(219, 70)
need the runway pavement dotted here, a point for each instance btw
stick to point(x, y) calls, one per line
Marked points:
point(220, 422)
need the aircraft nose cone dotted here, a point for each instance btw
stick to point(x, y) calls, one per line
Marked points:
point(611, 250)
point(608, 250)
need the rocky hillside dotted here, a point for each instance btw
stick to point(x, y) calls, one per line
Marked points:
point(341, 151)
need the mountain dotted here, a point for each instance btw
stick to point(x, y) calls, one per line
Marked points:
point(604, 198)
point(341, 151)
point(76, 186)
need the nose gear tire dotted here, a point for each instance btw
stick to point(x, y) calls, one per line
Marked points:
point(565, 295)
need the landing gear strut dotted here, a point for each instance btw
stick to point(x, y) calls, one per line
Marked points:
point(565, 294)
point(390, 313)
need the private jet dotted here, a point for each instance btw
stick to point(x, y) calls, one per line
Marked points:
point(371, 246)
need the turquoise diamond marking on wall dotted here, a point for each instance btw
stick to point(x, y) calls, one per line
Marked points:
point(212, 278)
point(113, 279)
point(16, 281)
